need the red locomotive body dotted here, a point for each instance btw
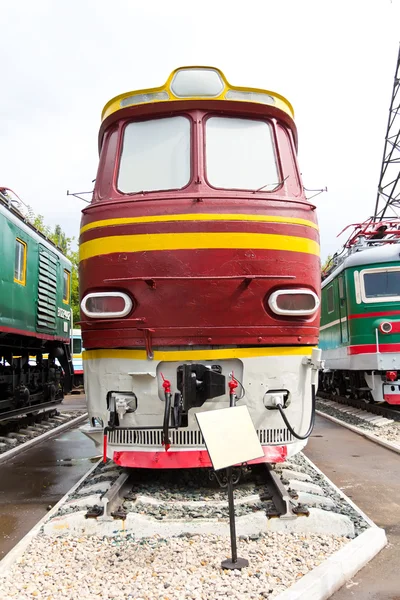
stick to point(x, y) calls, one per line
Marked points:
point(199, 238)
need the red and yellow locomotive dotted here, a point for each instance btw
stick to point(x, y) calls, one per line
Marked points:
point(199, 267)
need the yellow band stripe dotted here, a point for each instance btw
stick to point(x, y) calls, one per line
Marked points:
point(195, 241)
point(176, 355)
point(198, 217)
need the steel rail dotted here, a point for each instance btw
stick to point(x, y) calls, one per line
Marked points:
point(113, 499)
point(27, 410)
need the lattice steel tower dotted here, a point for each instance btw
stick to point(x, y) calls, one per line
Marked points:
point(388, 197)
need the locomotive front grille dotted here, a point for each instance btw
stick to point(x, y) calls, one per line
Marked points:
point(183, 438)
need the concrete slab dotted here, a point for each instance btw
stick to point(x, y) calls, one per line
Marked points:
point(319, 521)
point(305, 486)
point(383, 422)
point(11, 442)
point(314, 500)
point(290, 474)
point(28, 432)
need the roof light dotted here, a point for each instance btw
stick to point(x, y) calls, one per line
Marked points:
point(142, 98)
point(106, 305)
point(296, 303)
point(197, 82)
point(249, 97)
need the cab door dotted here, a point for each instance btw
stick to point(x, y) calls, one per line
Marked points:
point(344, 326)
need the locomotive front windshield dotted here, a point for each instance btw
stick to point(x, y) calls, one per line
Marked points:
point(240, 154)
point(155, 155)
point(382, 284)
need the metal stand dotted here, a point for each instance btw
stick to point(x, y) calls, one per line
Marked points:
point(235, 562)
point(241, 445)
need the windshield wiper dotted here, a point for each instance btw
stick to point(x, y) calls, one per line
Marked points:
point(278, 184)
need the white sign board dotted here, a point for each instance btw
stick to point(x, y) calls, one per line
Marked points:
point(229, 436)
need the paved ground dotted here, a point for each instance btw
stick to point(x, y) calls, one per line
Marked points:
point(370, 476)
point(73, 402)
point(39, 477)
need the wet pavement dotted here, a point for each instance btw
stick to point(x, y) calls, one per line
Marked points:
point(39, 477)
point(370, 475)
point(72, 402)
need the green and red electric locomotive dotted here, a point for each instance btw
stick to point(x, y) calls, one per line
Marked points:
point(360, 315)
point(35, 314)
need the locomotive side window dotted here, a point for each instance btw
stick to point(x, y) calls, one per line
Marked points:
point(381, 285)
point(240, 154)
point(76, 345)
point(155, 155)
point(20, 262)
point(330, 299)
point(66, 286)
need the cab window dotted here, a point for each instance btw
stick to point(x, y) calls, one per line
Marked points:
point(155, 155)
point(240, 154)
point(66, 286)
point(330, 299)
point(76, 346)
point(20, 262)
point(381, 285)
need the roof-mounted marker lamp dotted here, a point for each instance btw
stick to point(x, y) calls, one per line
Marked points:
point(189, 83)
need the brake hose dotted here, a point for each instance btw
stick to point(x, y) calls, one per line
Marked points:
point(167, 410)
point(312, 423)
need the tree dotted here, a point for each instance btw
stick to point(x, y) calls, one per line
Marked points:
point(327, 263)
point(64, 243)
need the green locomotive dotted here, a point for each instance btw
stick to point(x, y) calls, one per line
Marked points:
point(35, 313)
point(360, 315)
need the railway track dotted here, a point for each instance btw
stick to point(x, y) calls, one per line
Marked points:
point(17, 433)
point(269, 491)
point(376, 423)
point(192, 500)
point(376, 409)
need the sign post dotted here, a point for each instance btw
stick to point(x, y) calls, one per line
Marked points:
point(230, 439)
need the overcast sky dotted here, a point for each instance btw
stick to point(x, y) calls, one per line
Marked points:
point(62, 61)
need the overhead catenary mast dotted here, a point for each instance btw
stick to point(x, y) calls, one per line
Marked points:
point(384, 226)
point(388, 196)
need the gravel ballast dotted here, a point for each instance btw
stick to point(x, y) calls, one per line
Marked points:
point(163, 555)
point(179, 568)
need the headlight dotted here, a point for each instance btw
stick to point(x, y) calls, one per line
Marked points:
point(386, 327)
point(106, 305)
point(300, 303)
